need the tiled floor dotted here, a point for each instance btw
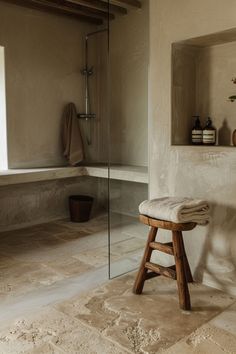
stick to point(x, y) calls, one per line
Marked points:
point(55, 297)
point(112, 320)
point(46, 254)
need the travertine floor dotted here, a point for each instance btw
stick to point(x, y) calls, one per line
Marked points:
point(50, 301)
point(46, 254)
point(112, 320)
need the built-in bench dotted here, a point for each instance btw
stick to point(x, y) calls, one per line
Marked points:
point(137, 174)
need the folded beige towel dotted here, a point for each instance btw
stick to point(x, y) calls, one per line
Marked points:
point(71, 136)
point(176, 209)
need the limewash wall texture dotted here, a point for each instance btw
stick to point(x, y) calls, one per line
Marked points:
point(129, 54)
point(199, 172)
point(43, 55)
point(201, 84)
point(30, 204)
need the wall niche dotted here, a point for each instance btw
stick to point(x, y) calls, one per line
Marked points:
point(202, 73)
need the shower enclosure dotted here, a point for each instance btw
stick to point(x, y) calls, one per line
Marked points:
point(115, 128)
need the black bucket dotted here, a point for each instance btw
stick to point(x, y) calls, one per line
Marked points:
point(80, 207)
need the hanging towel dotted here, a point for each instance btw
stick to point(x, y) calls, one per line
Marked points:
point(177, 210)
point(71, 136)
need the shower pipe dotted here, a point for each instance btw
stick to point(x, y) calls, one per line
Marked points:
point(88, 72)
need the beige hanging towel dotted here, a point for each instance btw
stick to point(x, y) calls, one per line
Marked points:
point(71, 136)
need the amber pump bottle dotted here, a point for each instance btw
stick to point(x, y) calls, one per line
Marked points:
point(197, 132)
point(209, 133)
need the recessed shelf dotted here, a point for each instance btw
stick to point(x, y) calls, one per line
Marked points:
point(202, 72)
point(204, 148)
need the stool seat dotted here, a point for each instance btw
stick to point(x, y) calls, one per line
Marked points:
point(167, 225)
point(180, 271)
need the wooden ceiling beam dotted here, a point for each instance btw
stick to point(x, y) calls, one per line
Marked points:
point(86, 10)
point(52, 7)
point(92, 11)
point(127, 3)
point(101, 5)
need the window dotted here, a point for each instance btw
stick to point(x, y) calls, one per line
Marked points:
point(3, 123)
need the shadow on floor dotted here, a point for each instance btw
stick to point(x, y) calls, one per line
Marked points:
point(218, 258)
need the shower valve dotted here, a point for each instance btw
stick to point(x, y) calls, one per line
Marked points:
point(86, 71)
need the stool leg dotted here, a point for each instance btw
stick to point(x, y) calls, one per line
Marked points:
point(141, 276)
point(184, 297)
point(187, 268)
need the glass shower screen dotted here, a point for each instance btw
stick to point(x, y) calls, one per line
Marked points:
point(127, 137)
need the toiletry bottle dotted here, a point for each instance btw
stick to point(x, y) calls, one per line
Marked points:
point(209, 133)
point(234, 137)
point(197, 132)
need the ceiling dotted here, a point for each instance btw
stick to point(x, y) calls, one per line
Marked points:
point(92, 11)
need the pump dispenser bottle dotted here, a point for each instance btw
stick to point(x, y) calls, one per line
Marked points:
point(209, 133)
point(197, 132)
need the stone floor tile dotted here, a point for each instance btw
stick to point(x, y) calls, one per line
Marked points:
point(85, 340)
point(53, 332)
point(206, 347)
point(69, 266)
point(73, 235)
point(109, 319)
point(33, 331)
point(96, 257)
point(206, 340)
point(25, 277)
point(51, 227)
point(223, 339)
point(226, 320)
point(142, 324)
point(47, 348)
point(127, 246)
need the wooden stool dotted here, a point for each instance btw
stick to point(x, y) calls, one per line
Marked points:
point(180, 271)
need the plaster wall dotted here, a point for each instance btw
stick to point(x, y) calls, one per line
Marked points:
point(129, 55)
point(44, 55)
point(204, 172)
point(125, 197)
point(99, 97)
point(35, 203)
point(215, 70)
point(3, 125)
point(201, 84)
point(183, 92)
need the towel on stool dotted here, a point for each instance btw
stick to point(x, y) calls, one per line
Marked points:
point(177, 210)
point(71, 136)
